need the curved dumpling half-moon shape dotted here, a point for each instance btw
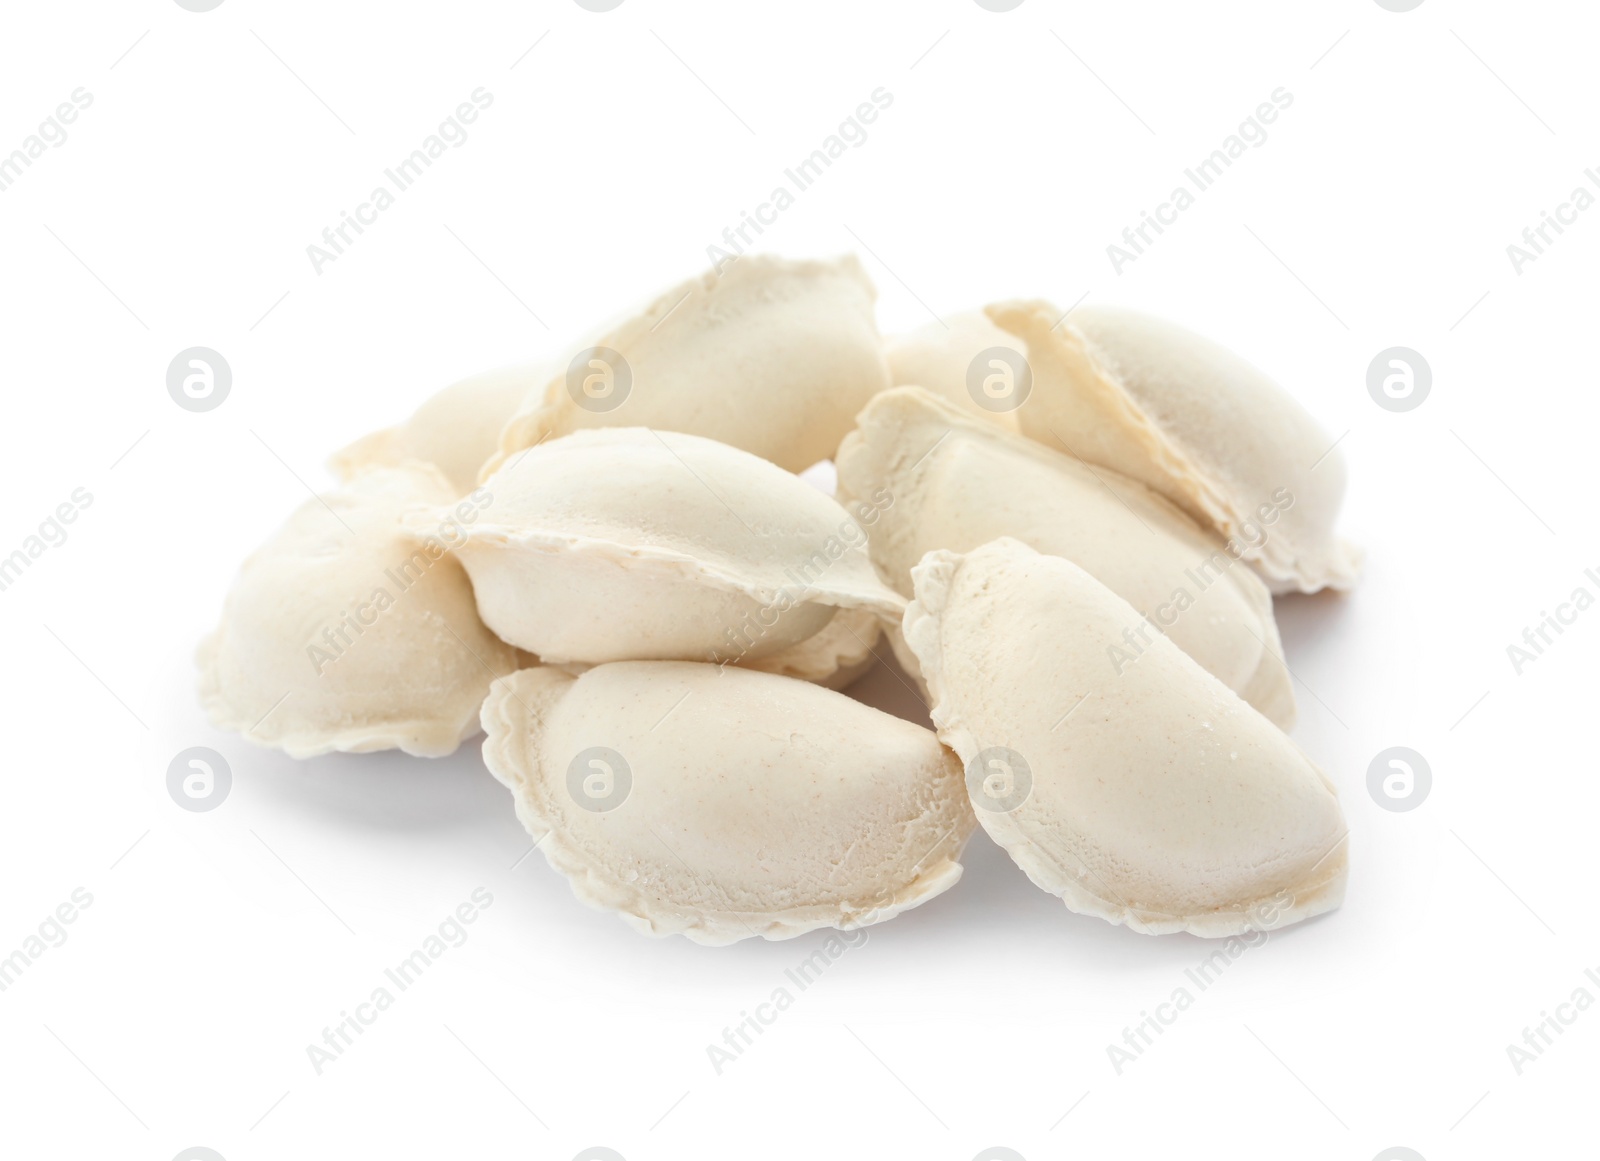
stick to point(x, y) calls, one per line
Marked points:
point(1195, 422)
point(722, 804)
point(634, 544)
point(346, 632)
point(455, 430)
point(772, 356)
point(956, 360)
point(958, 483)
point(1153, 796)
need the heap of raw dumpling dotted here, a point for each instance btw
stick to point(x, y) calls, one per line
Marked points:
point(1068, 530)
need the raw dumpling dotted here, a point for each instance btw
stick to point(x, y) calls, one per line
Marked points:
point(772, 356)
point(941, 358)
point(455, 430)
point(634, 544)
point(957, 483)
point(1195, 422)
point(1154, 796)
point(346, 632)
point(724, 804)
point(843, 651)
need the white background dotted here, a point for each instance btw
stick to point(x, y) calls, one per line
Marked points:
point(219, 945)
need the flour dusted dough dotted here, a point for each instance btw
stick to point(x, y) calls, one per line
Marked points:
point(772, 356)
point(456, 429)
point(939, 358)
point(1154, 797)
point(957, 482)
point(634, 544)
point(1195, 422)
point(842, 651)
point(726, 804)
point(356, 635)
